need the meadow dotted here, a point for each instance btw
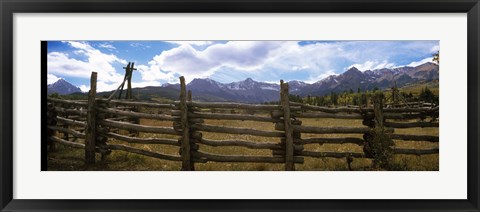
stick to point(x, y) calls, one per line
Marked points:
point(67, 158)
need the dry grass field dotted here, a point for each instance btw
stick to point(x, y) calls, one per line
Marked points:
point(67, 158)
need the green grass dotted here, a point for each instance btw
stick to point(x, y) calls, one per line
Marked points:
point(66, 158)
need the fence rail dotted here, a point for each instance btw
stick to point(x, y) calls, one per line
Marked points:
point(98, 120)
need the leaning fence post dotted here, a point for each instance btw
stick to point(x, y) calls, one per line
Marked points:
point(289, 148)
point(187, 162)
point(91, 121)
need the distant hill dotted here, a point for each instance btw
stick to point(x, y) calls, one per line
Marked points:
point(62, 87)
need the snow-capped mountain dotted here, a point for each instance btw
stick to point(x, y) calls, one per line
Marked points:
point(369, 79)
point(248, 90)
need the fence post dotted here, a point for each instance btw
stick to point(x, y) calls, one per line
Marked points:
point(187, 162)
point(91, 122)
point(189, 96)
point(289, 148)
point(51, 121)
point(379, 144)
point(378, 109)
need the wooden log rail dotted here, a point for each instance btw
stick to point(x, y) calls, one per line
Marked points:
point(243, 158)
point(343, 115)
point(80, 112)
point(143, 140)
point(237, 130)
point(331, 154)
point(414, 137)
point(68, 102)
point(144, 152)
point(139, 128)
point(329, 130)
point(317, 140)
point(210, 105)
point(411, 124)
point(327, 115)
point(71, 121)
point(137, 114)
point(410, 115)
point(141, 104)
point(69, 131)
point(416, 151)
point(305, 107)
point(67, 143)
point(303, 114)
point(240, 117)
point(240, 143)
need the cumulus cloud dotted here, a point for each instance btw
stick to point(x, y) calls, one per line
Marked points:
point(313, 79)
point(186, 60)
point(277, 58)
point(52, 79)
point(153, 73)
point(417, 63)
point(372, 65)
point(101, 86)
point(233, 60)
point(62, 64)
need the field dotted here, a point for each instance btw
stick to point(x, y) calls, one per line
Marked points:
point(66, 158)
point(415, 89)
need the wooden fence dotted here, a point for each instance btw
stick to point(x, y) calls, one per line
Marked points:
point(97, 120)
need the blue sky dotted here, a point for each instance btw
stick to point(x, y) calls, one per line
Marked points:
point(160, 62)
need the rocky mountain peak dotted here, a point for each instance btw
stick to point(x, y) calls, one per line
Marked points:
point(62, 87)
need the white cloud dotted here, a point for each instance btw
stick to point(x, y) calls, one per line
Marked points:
point(417, 63)
point(195, 43)
point(84, 88)
point(52, 79)
point(191, 63)
point(101, 86)
point(63, 65)
point(313, 79)
point(107, 46)
point(153, 73)
point(145, 84)
point(136, 45)
point(276, 58)
point(372, 65)
point(299, 68)
point(435, 49)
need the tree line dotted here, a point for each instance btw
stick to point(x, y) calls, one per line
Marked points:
point(362, 97)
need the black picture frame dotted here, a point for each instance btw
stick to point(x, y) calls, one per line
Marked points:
point(10, 7)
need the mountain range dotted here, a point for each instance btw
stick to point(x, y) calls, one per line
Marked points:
point(251, 91)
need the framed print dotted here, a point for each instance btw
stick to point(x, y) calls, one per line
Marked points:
point(263, 105)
